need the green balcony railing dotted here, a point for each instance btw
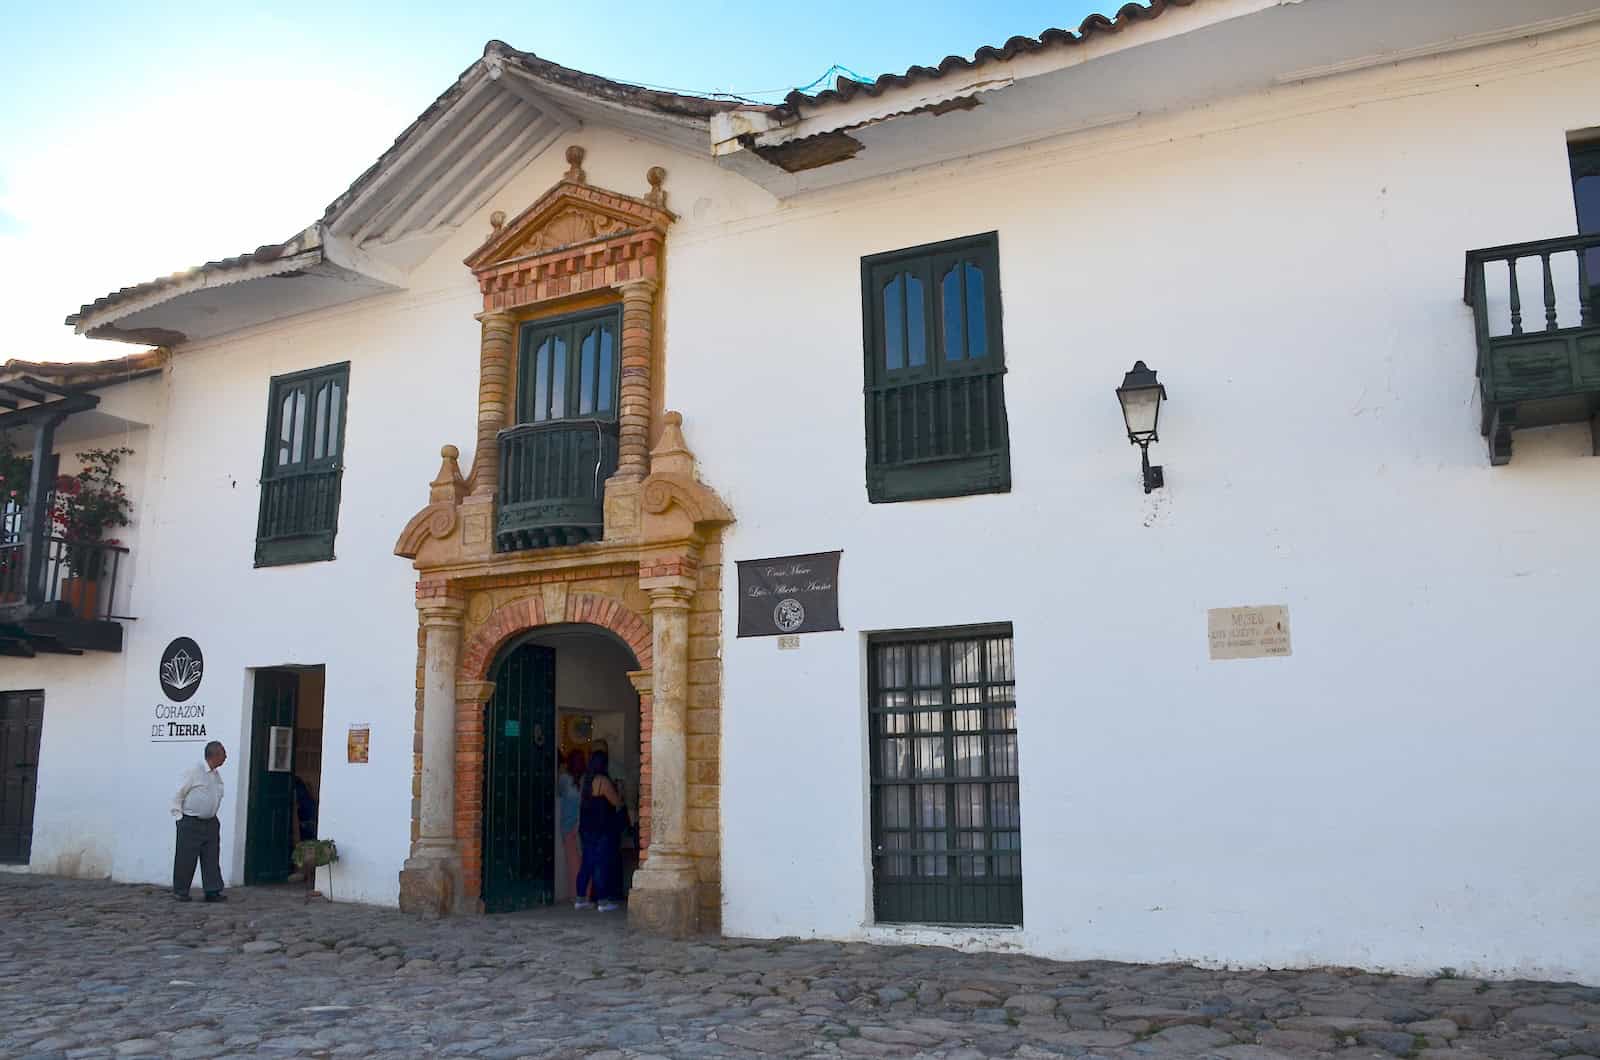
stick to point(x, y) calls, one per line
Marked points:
point(552, 482)
point(1538, 329)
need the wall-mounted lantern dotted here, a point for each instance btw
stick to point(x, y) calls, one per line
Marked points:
point(1141, 397)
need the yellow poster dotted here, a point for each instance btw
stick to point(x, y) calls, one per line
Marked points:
point(360, 736)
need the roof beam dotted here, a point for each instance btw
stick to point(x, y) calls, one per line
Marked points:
point(414, 184)
point(24, 393)
point(51, 388)
point(531, 143)
point(20, 417)
point(352, 214)
point(525, 88)
point(468, 158)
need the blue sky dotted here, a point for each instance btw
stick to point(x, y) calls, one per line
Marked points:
point(139, 139)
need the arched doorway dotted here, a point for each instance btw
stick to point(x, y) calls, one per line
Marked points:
point(556, 689)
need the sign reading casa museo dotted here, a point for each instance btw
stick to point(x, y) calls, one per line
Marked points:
point(177, 720)
point(789, 594)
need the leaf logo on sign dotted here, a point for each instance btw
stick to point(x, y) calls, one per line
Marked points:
point(182, 667)
point(180, 671)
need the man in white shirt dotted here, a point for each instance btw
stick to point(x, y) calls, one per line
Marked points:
point(195, 808)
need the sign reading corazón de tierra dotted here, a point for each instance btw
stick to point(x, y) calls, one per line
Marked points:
point(789, 594)
point(177, 719)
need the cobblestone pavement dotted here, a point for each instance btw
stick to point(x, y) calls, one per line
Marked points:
point(106, 970)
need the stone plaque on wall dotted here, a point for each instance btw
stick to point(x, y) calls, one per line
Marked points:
point(789, 595)
point(1249, 632)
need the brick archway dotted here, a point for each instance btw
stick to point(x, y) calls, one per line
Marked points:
point(478, 657)
point(519, 616)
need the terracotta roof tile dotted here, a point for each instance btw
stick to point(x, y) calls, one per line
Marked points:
point(846, 89)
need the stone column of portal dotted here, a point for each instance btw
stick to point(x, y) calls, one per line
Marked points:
point(430, 882)
point(633, 408)
point(663, 896)
point(494, 399)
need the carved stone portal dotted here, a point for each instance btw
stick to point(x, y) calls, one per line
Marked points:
point(660, 554)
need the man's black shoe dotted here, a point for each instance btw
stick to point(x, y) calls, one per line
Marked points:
point(216, 896)
point(181, 897)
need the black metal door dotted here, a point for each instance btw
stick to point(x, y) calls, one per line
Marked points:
point(520, 782)
point(269, 835)
point(21, 722)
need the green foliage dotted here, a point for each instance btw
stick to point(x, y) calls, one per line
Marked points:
point(314, 852)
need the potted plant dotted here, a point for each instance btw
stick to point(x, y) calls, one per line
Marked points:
point(311, 853)
point(86, 505)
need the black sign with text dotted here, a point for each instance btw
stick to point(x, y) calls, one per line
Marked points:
point(789, 594)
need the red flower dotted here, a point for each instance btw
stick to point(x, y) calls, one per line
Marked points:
point(68, 484)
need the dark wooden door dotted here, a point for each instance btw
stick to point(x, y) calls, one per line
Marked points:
point(520, 782)
point(269, 835)
point(21, 722)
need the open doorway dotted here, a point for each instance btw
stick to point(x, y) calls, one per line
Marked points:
point(285, 784)
point(558, 690)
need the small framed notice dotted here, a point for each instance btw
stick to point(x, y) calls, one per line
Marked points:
point(280, 749)
point(1248, 632)
point(356, 747)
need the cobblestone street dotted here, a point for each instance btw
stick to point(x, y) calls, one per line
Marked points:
point(99, 969)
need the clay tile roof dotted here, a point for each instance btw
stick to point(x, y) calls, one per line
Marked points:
point(593, 85)
point(89, 374)
point(260, 255)
point(846, 88)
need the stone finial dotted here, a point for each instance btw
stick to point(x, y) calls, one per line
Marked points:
point(497, 221)
point(574, 171)
point(658, 196)
point(671, 455)
point(448, 486)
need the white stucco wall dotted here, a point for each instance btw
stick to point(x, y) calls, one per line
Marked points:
point(1414, 787)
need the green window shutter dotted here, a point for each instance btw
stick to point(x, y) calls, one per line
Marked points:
point(303, 466)
point(935, 372)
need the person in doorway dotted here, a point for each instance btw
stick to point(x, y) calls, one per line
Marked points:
point(305, 821)
point(194, 808)
point(599, 833)
point(570, 802)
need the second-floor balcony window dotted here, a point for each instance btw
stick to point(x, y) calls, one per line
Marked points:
point(555, 461)
point(303, 466)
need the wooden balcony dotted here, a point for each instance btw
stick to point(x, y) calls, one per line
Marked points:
point(72, 605)
point(552, 482)
point(1536, 366)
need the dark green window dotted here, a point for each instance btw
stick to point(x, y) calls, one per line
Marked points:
point(554, 463)
point(935, 372)
point(946, 813)
point(568, 368)
point(302, 467)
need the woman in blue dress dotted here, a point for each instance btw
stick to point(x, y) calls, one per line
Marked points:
point(600, 820)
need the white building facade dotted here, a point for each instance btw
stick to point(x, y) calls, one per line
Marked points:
point(893, 319)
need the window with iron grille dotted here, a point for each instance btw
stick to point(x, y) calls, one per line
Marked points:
point(935, 371)
point(946, 812)
point(303, 466)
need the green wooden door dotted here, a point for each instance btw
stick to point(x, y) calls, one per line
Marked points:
point(269, 836)
point(520, 782)
point(21, 724)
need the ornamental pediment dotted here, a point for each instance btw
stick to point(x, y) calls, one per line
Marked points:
point(571, 215)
